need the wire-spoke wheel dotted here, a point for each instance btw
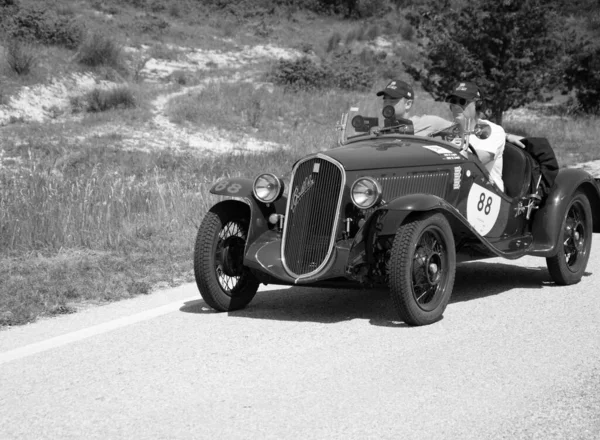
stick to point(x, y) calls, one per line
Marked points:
point(223, 280)
point(421, 269)
point(574, 242)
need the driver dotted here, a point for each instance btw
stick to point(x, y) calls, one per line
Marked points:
point(466, 104)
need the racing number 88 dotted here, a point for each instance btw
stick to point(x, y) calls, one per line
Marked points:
point(484, 205)
point(232, 189)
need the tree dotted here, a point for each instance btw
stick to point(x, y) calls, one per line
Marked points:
point(507, 47)
point(583, 75)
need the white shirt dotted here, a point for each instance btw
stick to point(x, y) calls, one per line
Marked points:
point(494, 145)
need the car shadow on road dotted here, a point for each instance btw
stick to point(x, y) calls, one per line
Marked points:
point(474, 280)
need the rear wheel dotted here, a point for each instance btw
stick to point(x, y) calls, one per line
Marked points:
point(421, 269)
point(224, 282)
point(575, 242)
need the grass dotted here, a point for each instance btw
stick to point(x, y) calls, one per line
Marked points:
point(285, 118)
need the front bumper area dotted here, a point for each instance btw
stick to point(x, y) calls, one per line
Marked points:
point(264, 255)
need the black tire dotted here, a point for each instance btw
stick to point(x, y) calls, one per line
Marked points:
point(421, 269)
point(574, 242)
point(223, 281)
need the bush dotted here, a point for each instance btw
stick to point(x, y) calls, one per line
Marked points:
point(583, 75)
point(36, 23)
point(344, 72)
point(99, 50)
point(151, 24)
point(20, 57)
point(373, 32)
point(334, 41)
point(99, 100)
point(301, 74)
point(255, 109)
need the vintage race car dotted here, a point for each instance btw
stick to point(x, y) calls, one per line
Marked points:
point(392, 208)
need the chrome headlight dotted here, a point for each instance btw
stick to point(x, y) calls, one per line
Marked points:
point(366, 192)
point(267, 188)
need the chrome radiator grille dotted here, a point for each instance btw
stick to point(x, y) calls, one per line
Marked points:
point(310, 225)
point(435, 183)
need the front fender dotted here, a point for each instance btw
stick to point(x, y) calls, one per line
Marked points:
point(258, 214)
point(233, 187)
point(387, 219)
point(547, 221)
point(398, 209)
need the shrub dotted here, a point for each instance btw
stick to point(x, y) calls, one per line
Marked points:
point(300, 74)
point(151, 24)
point(20, 57)
point(37, 23)
point(583, 75)
point(406, 30)
point(99, 50)
point(372, 32)
point(255, 109)
point(180, 77)
point(344, 72)
point(334, 41)
point(175, 10)
point(99, 100)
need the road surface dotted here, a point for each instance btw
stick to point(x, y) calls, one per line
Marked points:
point(514, 357)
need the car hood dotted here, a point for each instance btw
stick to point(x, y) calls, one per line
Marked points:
point(407, 151)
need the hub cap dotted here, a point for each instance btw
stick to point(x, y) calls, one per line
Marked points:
point(429, 270)
point(574, 244)
point(229, 256)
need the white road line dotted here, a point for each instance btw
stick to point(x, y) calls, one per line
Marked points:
point(59, 341)
point(38, 347)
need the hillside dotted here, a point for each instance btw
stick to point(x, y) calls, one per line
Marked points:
point(117, 117)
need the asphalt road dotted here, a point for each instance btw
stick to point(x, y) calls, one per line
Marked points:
point(514, 357)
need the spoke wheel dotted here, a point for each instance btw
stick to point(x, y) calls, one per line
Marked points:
point(574, 243)
point(224, 282)
point(421, 269)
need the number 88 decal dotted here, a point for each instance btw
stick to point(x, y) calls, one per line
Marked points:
point(232, 188)
point(483, 208)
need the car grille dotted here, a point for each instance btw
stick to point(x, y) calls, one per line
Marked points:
point(435, 183)
point(313, 204)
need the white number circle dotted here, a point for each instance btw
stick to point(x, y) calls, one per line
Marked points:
point(483, 207)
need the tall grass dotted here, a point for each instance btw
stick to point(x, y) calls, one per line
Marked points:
point(101, 223)
point(303, 121)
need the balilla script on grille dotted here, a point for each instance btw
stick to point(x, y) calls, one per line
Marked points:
point(299, 192)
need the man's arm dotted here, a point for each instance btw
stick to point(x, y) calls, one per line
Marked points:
point(514, 139)
point(485, 156)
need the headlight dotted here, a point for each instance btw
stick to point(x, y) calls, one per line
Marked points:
point(267, 188)
point(365, 192)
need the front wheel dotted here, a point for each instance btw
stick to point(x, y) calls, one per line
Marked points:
point(224, 282)
point(421, 269)
point(575, 242)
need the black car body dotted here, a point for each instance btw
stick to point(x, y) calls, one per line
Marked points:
point(391, 208)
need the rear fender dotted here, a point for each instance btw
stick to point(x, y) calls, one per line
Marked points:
point(547, 221)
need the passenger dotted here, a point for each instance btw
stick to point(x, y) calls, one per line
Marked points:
point(467, 104)
point(400, 95)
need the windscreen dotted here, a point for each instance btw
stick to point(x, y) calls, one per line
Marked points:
point(359, 119)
